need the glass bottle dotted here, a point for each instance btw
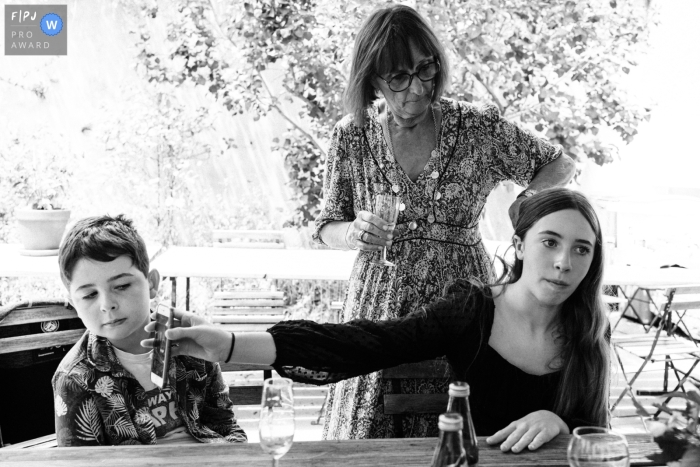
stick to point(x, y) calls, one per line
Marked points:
point(459, 403)
point(449, 451)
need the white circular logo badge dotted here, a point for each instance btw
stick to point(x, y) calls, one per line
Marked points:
point(49, 326)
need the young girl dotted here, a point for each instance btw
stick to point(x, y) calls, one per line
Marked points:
point(534, 349)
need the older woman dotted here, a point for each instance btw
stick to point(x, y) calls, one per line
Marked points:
point(443, 158)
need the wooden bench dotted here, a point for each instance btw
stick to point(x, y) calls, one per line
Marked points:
point(398, 404)
point(43, 442)
point(46, 312)
point(247, 311)
point(246, 394)
point(34, 337)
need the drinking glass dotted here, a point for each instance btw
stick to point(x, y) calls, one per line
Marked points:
point(386, 207)
point(277, 418)
point(592, 446)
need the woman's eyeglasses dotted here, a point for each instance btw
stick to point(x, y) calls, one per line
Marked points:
point(403, 81)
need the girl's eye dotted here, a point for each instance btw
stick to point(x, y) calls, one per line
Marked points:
point(549, 243)
point(90, 296)
point(123, 286)
point(583, 250)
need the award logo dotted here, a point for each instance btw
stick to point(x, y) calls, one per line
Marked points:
point(36, 29)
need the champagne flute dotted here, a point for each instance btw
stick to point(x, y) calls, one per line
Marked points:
point(386, 207)
point(276, 426)
point(592, 446)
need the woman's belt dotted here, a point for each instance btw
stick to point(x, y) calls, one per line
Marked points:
point(423, 229)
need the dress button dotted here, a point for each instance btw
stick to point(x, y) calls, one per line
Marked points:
point(413, 225)
point(402, 207)
point(435, 174)
point(438, 195)
point(396, 188)
point(431, 218)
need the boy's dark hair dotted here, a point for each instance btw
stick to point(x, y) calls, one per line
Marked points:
point(101, 238)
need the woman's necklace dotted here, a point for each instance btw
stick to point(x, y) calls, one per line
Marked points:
point(434, 174)
point(432, 217)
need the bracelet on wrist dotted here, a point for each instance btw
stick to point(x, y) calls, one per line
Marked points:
point(230, 351)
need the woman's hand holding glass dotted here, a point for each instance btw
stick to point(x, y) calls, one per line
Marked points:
point(386, 206)
point(369, 232)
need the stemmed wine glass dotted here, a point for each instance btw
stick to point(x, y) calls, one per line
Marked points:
point(277, 418)
point(386, 207)
point(595, 446)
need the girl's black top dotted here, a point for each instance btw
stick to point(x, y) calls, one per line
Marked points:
point(457, 326)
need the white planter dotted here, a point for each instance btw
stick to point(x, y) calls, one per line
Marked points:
point(41, 231)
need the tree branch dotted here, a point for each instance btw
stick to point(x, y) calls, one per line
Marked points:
point(273, 98)
point(584, 59)
point(490, 90)
point(38, 90)
point(311, 137)
point(477, 75)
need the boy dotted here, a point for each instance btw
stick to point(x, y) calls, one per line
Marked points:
point(103, 394)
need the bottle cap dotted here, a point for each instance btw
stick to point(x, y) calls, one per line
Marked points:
point(450, 422)
point(459, 389)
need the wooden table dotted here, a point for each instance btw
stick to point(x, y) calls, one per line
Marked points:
point(178, 261)
point(357, 453)
point(649, 277)
point(242, 263)
point(12, 264)
point(644, 280)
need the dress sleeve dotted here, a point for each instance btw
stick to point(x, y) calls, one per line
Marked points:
point(78, 420)
point(217, 411)
point(514, 154)
point(316, 353)
point(337, 185)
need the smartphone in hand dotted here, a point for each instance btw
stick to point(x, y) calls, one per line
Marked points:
point(161, 348)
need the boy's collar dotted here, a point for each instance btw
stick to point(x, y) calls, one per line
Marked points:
point(101, 354)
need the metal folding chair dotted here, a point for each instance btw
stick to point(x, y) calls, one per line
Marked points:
point(640, 295)
point(663, 346)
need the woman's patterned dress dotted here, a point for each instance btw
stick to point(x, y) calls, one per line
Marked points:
point(436, 240)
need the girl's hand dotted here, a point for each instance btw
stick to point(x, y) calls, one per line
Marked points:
point(369, 232)
point(194, 336)
point(531, 431)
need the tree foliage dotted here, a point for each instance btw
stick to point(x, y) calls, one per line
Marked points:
point(554, 67)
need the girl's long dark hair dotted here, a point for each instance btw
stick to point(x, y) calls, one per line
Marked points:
point(583, 325)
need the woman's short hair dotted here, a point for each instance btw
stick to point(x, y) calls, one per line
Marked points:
point(382, 45)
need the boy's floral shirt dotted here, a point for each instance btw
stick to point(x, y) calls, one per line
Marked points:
point(98, 402)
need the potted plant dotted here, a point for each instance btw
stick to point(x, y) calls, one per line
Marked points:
point(41, 227)
point(40, 183)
